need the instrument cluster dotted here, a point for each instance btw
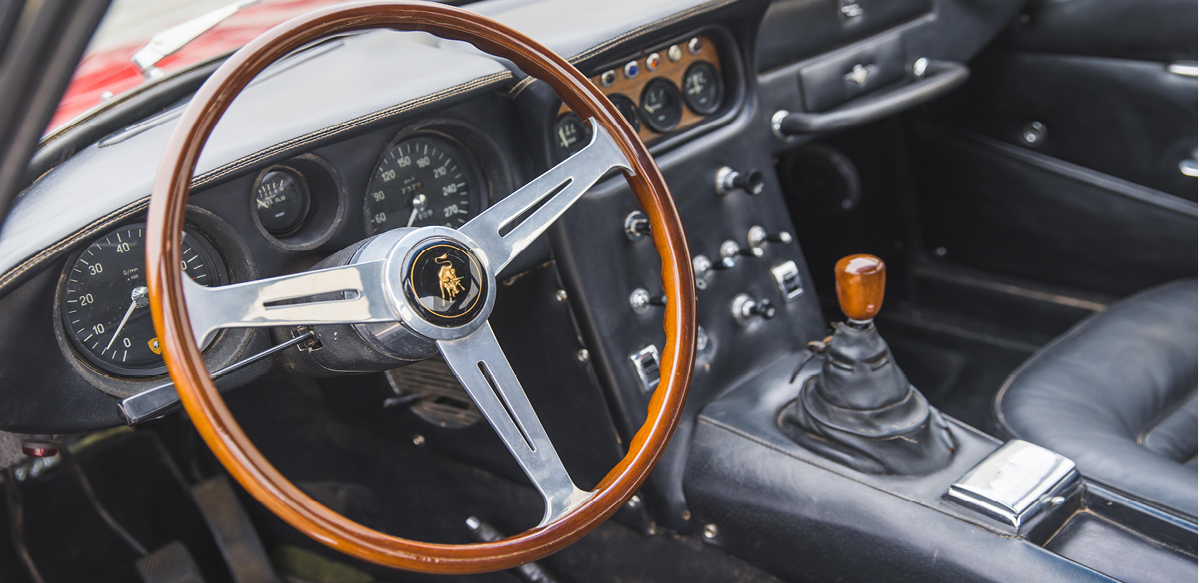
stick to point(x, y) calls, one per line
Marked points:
point(435, 172)
point(659, 92)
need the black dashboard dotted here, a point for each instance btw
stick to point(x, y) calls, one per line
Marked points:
point(323, 151)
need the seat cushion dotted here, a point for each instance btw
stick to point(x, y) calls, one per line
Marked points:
point(1117, 394)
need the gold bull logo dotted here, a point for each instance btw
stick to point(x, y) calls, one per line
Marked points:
point(448, 280)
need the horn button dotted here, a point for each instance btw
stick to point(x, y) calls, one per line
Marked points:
point(445, 284)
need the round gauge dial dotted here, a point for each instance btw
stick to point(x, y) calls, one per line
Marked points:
point(662, 106)
point(281, 201)
point(571, 134)
point(105, 306)
point(628, 109)
point(422, 181)
point(702, 88)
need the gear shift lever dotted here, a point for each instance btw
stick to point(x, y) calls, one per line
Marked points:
point(861, 410)
point(860, 281)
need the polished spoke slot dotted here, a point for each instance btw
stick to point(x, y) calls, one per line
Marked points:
point(484, 372)
point(491, 381)
point(273, 301)
point(516, 221)
point(512, 224)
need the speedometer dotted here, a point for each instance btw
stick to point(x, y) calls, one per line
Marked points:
point(105, 306)
point(421, 181)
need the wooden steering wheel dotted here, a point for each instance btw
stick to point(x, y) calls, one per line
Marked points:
point(407, 275)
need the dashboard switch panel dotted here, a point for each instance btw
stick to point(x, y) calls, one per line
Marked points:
point(787, 279)
point(645, 364)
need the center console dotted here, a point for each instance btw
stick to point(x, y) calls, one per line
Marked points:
point(840, 469)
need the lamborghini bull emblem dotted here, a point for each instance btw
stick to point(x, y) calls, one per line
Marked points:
point(449, 281)
point(447, 284)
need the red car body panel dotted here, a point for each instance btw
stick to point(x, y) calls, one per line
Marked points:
point(109, 72)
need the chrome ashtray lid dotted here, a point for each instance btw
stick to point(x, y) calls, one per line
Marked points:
point(1015, 482)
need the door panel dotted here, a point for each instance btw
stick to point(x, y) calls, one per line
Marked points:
point(1005, 210)
point(1060, 161)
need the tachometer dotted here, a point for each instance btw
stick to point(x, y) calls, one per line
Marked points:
point(421, 181)
point(105, 307)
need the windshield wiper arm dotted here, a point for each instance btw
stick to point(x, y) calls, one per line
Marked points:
point(165, 43)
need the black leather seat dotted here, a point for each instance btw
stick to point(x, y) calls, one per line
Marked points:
point(1117, 394)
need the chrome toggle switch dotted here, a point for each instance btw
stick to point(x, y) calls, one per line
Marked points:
point(758, 237)
point(637, 226)
point(729, 180)
point(745, 308)
point(641, 300)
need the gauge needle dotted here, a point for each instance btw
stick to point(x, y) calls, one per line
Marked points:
point(140, 296)
point(128, 312)
point(413, 217)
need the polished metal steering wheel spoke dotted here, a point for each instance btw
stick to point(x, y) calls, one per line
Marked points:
point(483, 370)
point(511, 225)
point(260, 303)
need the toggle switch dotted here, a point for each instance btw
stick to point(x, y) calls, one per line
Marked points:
point(641, 300)
point(751, 181)
point(637, 226)
point(758, 237)
point(730, 251)
point(702, 267)
point(746, 308)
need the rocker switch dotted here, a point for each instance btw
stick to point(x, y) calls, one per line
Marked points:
point(787, 279)
point(645, 363)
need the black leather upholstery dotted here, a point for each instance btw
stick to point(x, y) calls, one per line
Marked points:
point(1117, 394)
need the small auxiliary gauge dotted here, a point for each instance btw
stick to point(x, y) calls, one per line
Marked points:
point(661, 106)
point(281, 201)
point(702, 88)
point(628, 109)
point(571, 134)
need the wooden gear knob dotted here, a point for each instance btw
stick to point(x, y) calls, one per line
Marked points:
point(860, 280)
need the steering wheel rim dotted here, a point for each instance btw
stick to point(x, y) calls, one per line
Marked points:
point(208, 410)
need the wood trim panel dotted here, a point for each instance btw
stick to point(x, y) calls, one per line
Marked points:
point(667, 69)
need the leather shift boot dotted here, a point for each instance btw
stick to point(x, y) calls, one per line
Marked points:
point(862, 412)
